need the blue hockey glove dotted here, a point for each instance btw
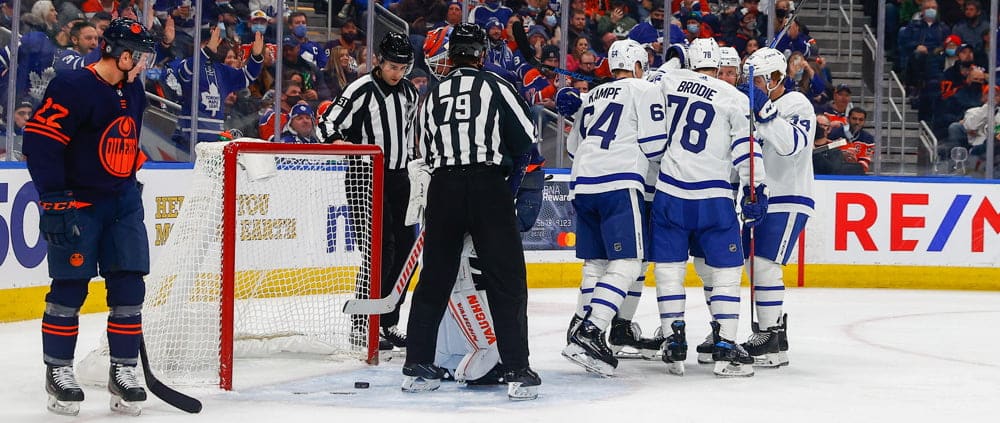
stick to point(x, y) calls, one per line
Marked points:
point(762, 107)
point(58, 220)
point(754, 213)
point(568, 101)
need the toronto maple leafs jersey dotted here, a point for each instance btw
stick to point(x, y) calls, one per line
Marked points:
point(707, 126)
point(216, 82)
point(787, 145)
point(615, 133)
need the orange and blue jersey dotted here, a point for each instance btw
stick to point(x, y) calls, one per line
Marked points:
point(537, 87)
point(77, 142)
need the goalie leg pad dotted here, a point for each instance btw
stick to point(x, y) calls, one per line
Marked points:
point(769, 291)
point(471, 311)
point(612, 289)
point(670, 296)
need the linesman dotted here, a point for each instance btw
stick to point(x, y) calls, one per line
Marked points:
point(379, 108)
point(472, 126)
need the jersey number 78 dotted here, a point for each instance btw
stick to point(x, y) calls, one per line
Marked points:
point(698, 118)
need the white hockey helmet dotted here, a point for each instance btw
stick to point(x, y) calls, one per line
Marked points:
point(624, 53)
point(765, 62)
point(704, 53)
point(728, 57)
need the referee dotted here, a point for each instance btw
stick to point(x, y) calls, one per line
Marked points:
point(472, 125)
point(379, 108)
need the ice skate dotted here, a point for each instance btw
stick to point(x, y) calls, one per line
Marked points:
point(421, 377)
point(675, 349)
point(588, 349)
point(391, 343)
point(705, 350)
point(522, 384)
point(64, 392)
point(731, 360)
point(625, 339)
point(126, 391)
point(783, 340)
point(573, 323)
point(763, 347)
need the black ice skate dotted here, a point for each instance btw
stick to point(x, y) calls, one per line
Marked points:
point(573, 323)
point(625, 339)
point(763, 346)
point(675, 348)
point(64, 392)
point(522, 384)
point(705, 350)
point(421, 377)
point(731, 360)
point(394, 335)
point(588, 349)
point(126, 391)
point(783, 340)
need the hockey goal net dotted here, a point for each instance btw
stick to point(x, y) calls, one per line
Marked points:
point(270, 242)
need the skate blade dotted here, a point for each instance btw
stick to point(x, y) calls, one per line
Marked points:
point(418, 384)
point(768, 361)
point(676, 368)
point(120, 406)
point(518, 392)
point(637, 354)
point(728, 369)
point(783, 358)
point(64, 408)
point(577, 355)
point(388, 355)
point(705, 358)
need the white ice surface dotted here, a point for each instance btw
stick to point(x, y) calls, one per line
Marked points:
point(856, 356)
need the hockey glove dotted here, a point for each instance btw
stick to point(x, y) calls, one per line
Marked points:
point(58, 220)
point(754, 212)
point(568, 101)
point(762, 107)
point(420, 178)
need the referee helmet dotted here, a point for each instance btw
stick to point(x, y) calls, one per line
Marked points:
point(395, 47)
point(467, 39)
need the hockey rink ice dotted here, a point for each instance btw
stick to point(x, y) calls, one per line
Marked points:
point(857, 355)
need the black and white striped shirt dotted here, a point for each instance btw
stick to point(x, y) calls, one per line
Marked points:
point(371, 112)
point(472, 117)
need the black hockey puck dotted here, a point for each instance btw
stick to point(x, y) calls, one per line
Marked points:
point(361, 385)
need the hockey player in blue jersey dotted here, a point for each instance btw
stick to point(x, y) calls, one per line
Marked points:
point(786, 128)
point(614, 133)
point(216, 82)
point(708, 139)
point(83, 153)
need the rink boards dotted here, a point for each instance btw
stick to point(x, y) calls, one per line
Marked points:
point(934, 233)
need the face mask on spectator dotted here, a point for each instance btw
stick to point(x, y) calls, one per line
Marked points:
point(222, 29)
point(657, 23)
point(550, 20)
point(930, 14)
point(261, 28)
point(293, 100)
point(423, 89)
point(976, 87)
point(950, 51)
point(299, 31)
point(694, 28)
point(347, 37)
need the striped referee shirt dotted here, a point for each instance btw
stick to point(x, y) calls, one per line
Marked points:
point(473, 117)
point(372, 112)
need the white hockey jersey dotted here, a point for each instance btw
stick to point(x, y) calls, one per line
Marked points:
point(787, 145)
point(615, 132)
point(708, 129)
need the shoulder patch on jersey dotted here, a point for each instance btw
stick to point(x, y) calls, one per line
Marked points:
point(342, 101)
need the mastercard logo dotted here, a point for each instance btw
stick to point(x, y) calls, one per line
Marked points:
point(566, 239)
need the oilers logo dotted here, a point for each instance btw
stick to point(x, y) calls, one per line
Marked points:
point(119, 147)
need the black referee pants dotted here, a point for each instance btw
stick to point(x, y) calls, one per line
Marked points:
point(397, 238)
point(471, 199)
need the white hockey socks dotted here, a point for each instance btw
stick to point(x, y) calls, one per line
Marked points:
point(670, 296)
point(725, 301)
point(631, 302)
point(611, 290)
point(593, 270)
point(705, 273)
point(769, 291)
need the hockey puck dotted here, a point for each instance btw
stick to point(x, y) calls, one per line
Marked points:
point(361, 385)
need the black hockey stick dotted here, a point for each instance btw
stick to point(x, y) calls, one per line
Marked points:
point(524, 46)
point(164, 392)
point(387, 304)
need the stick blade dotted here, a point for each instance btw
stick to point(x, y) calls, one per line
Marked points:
point(363, 306)
point(164, 392)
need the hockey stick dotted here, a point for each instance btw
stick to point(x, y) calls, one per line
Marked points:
point(164, 392)
point(524, 46)
point(788, 23)
point(753, 195)
point(387, 304)
point(830, 146)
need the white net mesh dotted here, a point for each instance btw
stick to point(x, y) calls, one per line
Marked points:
point(303, 225)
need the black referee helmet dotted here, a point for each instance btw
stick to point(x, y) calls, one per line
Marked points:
point(467, 39)
point(125, 34)
point(395, 47)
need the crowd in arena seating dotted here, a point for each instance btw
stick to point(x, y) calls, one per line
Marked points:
point(237, 92)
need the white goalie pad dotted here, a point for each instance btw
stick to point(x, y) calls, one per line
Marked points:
point(420, 178)
point(258, 166)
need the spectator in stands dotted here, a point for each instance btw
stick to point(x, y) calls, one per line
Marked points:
point(955, 76)
point(83, 39)
point(836, 109)
point(588, 64)
point(301, 127)
point(953, 109)
point(854, 130)
point(509, 32)
point(573, 59)
point(952, 11)
point(606, 41)
point(829, 159)
point(259, 22)
point(290, 96)
point(803, 78)
point(499, 58)
point(309, 51)
point(919, 39)
point(970, 131)
point(797, 39)
point(695, 28)
point(454, 14)
point(101, 20)
point(6, 14)
point(550, 20)
point(313, 86)
point(745, 31)
point(420, 81)
point(973, 26)
point(751, 46)
point(617, 21)
point(183, 16)
point(490, 9)
point(341, 69)
point(579, 26)
point(538, 38)
point(350, 37)
point(36, 51)
point(686, 7)
point(539, 87)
